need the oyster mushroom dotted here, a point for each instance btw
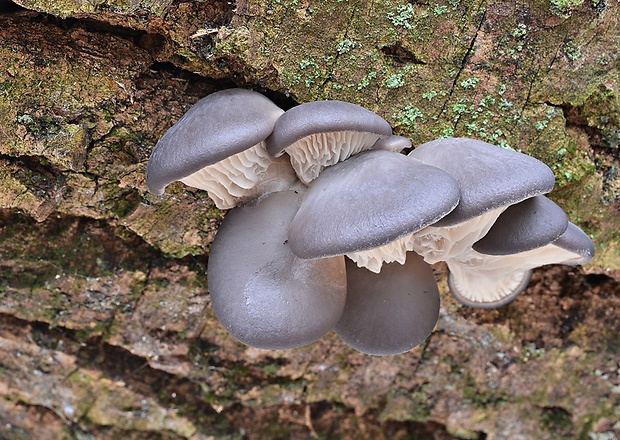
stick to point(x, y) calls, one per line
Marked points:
point(218, 146)
point(322, 133)
point(263, 294)
point(367, 202)
point(390, 312)
point(490, 179)
point(498, 267)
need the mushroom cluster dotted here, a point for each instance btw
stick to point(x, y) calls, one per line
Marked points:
point(328, 179)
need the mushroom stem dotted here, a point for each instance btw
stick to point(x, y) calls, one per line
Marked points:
point(243, 176)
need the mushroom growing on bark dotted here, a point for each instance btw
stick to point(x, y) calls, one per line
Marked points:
point(390, 312)
point(265, 296)
point(218, 146)
point(490, 179)
point(529, 234)
point(322, 133)
point(366, 202)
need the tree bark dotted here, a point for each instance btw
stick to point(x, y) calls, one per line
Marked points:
point(106, 329)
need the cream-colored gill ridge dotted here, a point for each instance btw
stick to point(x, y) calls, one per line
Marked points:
point(373, 259)
point(436, 244)
point(243, 176)
point(488, 278)
point(312, 154)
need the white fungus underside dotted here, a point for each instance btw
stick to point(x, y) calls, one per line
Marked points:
point(243, 176)
point(373, 259)
point(483, 278)
point(436, 244)
point(433, 243)
point(312, 154)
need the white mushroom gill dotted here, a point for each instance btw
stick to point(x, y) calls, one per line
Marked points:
point(312, 154)
point(444, 243)
point(242, 176)
point(487, 279)
point(373, 259)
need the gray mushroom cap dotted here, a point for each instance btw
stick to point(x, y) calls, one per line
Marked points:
point(526, 225)
point(489, 281)
point(390, 312)
point(369, 200)
point(261, 293)
point(489, 176)
point(218, 126)
point(394, 143)
point(323, 117)
point(576, 241)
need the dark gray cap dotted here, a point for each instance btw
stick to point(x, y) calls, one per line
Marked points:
point(390, 312)
point(524, 226)
point(323, 117)
point(216, 127)
point(489, 176)
point(261, 293)
point(367, 201)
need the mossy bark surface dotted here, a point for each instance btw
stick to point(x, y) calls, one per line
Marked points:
point(106, 328)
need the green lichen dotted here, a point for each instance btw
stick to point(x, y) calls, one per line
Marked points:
point(564, 8)
point(395, 81)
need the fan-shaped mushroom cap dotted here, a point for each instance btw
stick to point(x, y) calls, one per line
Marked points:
point(489, 176)
point(218, 145)
point(321, 133)
point(490, 179)
point(367, 201)
point(391, 312)
point(261, 293)
point(524, 226)
point(488, 281)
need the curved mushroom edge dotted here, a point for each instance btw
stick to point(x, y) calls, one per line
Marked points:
point(221, 125)
point(511, 286)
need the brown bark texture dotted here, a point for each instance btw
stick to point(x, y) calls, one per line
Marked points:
point(106, 327)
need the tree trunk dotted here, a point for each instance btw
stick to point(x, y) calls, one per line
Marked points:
point(106, 328)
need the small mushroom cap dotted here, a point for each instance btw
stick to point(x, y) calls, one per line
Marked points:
point(576, 241)
point(393, 143)
point(369, 200)
point(488, 176)
point(216, 127)
point(323, 117)
point(261, 293)
point(508, 287)
point(526, 225)
point(390, 312)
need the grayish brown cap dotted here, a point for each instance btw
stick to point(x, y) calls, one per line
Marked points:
point(261, 293)
point(369, 200)
point(390, 312)
point(323, 117)
point(524, 226)
point(216, 127)
point(489, 176)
